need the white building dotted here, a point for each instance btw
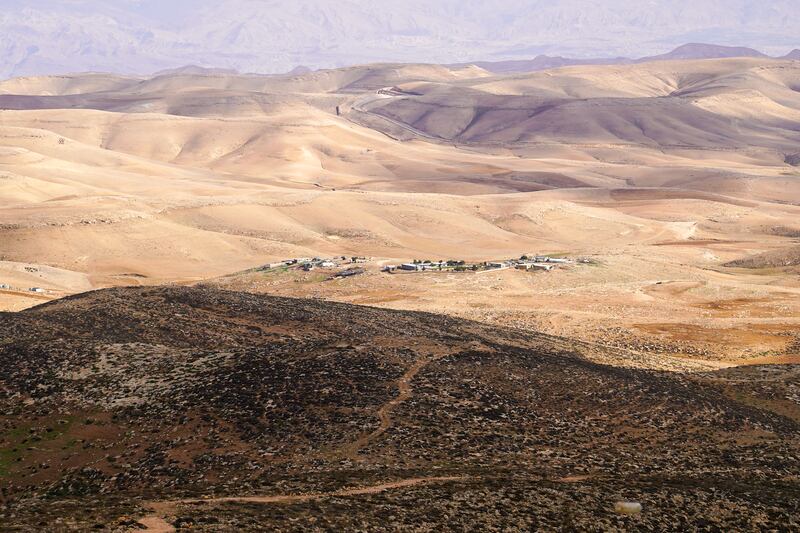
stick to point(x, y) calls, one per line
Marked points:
point(548, 259)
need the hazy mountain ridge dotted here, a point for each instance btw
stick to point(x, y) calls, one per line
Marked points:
point(687, 51)
point(143, 37)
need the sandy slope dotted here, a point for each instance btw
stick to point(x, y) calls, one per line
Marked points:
point(669, 105)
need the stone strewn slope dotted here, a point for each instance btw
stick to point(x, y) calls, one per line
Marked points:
point(131, 404)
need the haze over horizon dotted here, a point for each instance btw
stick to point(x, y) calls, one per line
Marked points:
point(144, 36)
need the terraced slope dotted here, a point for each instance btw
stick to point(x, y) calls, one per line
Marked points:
point(171, 407)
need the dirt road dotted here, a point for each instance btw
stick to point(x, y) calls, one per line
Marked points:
point(156, 523)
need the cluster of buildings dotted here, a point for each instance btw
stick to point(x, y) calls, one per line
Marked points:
point(310, 263)
point(421, 266)
point(526, 262)
point(539, 262)
point(7, 287)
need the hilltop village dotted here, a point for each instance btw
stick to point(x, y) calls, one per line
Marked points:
point(525, 262)
point(355, 265)
point(344, 266)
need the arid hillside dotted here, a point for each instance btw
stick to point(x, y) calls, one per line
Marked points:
point(705, 105)
point(224, 171)
point(223, 411)
point(668, 176)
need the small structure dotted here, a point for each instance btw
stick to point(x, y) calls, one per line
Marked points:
point(536, 266)
point(348, 272)
point(414, 267)
point(389, 268)
point(327, 264)
point(308, 267)
point(3, 286)
point(36, 289)
point(548, 259)
point(496, 265)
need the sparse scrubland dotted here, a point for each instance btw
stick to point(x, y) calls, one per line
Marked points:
point(228, 411)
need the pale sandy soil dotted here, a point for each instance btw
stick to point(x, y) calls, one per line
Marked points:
point(674, 316)
point(661, 173)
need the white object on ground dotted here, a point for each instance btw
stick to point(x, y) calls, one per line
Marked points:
point(629, 508)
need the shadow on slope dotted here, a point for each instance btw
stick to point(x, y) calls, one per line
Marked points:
point(165, 392)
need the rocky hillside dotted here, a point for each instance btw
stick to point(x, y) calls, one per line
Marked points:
point(785, 257)
point(176, 407)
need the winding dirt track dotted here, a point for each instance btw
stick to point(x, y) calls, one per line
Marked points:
point(156, 524)
point(359, 107)
point(356, 491)
point(384, 413)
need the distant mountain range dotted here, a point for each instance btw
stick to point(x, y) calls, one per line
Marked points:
point(273, 36)
point(686, 51)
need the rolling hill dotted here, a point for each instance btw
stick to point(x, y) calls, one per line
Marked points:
point(696, 105)
point(704, 51)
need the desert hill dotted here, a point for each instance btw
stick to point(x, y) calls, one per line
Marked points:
point(686, 105)
point(65, 85)
point(787, 257)
point(223, 410)
point(198, 70)
point(541, 62)
point(704, 51)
